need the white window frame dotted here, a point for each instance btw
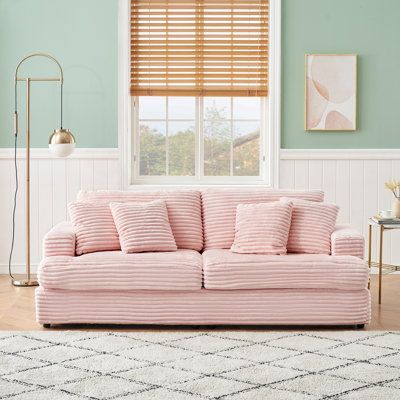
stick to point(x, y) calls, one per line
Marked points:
point(271, 117)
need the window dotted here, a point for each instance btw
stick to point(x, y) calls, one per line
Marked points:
point(189, 139)
point(200, 96)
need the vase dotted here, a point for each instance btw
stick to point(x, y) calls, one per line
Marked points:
point(396, 208)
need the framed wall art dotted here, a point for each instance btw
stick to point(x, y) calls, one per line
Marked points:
point(330, 92)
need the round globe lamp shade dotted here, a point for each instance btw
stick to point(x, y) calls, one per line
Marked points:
point(61, 143)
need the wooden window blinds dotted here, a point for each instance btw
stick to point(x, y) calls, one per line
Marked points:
point(199, 47)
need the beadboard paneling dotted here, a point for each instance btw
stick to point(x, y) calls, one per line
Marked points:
point(352, 179)
point(54, 183)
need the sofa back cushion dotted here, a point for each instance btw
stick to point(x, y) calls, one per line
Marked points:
point(184, 210)
point(219, 210)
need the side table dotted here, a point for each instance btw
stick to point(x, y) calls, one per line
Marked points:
point(382, 229)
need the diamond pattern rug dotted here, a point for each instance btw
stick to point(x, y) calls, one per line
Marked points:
point(200, 364)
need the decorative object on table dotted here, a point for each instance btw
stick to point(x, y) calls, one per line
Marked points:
point(61, 144)
point(384, 225)
point(386, 214)
point(382, 220)
point(330, 92)
point(394, 187)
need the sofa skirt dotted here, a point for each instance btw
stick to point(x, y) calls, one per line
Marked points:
point(204, 307)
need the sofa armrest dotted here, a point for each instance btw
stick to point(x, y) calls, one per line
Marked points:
point(347, 241)
point(60, 241)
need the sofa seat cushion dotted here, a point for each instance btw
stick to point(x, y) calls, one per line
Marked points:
point(224, 269)
point(114, 270)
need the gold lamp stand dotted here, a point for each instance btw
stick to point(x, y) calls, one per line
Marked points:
point(28, 281)
point(61, 144)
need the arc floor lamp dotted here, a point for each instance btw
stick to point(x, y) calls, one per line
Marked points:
point(61, 144)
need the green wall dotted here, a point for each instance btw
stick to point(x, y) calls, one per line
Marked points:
point(369, 28)
point(82, 34)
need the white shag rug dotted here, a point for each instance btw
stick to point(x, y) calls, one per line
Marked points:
point(200, 364)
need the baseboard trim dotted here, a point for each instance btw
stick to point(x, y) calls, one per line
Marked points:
point(17, 269)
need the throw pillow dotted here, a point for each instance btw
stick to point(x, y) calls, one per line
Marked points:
point(143, 226)
point(311, 227)
point(94, 227)
point(262, 228)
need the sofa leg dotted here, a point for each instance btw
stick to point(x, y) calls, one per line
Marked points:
point(360, 326)
point(46, 326)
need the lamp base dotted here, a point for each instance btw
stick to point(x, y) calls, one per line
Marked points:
point(25, 282)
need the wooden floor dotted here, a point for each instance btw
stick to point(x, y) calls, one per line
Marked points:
point(17, 308)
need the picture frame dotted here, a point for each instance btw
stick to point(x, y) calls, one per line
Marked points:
point(330, 92)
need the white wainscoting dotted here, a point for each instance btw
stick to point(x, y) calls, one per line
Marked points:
point(353, 179)
point(54, 183)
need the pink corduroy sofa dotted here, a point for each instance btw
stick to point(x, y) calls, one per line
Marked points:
point(203, 283)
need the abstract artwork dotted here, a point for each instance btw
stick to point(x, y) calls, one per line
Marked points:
point(331, 90)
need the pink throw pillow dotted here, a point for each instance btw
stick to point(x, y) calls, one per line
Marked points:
point(94, 227)
point(262, 228)
point(312, 226)
point(143, 226)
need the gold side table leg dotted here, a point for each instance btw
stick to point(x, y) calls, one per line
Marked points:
point(380, 264)
point(369, 254)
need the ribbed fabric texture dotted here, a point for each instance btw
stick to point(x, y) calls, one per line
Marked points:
point(219, 210)
point(226, 270)
point(143, 226)
point(347, 241)
point(262, 228)
point(59, 241)
point(179, 270)
point(184, 210)
point(94, 227)
point(166, 287)
point(275, 306)
point(312, 226)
